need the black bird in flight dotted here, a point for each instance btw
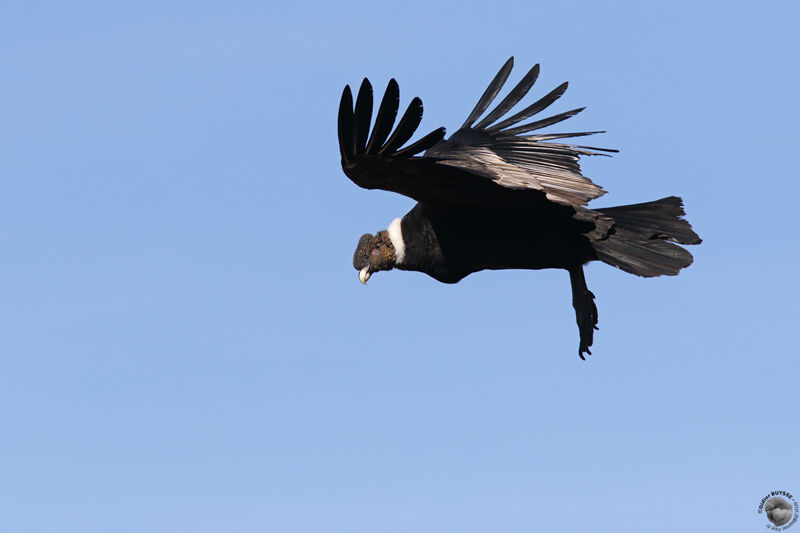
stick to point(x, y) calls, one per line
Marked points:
point(493, 196)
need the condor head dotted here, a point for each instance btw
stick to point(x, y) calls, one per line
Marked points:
point(374, 253)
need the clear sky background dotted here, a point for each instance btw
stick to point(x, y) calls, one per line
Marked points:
point(184, 343)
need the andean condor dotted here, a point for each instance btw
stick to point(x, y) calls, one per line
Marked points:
point(493, 196)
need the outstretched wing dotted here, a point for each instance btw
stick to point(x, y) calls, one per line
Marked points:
point(455, 172)
point(376, 160)
point(500, 151)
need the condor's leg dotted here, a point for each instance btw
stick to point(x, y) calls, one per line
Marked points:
point(585, 310)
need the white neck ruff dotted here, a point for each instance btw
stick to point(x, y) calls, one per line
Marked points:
point(396, 236)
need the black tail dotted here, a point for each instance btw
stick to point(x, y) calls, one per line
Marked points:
point(641, 239)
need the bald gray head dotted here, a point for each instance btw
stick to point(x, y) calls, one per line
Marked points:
point(379, 252)
point(373, 253)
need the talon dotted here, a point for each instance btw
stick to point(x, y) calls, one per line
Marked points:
point(585, 310)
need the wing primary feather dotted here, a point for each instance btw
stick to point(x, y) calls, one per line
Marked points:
point(421, 145)
point(538, 139)
point(346, 125)
point(362, 116)
point(532, 109)
point(549, 136)
point(405, 128)
point(490, 92)
point(614, 150)
point(513, 98)
point(384, 121)
point(555, 119)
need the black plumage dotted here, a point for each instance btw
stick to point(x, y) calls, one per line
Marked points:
point(490, 197)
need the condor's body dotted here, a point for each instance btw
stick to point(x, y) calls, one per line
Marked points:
point(450, 244)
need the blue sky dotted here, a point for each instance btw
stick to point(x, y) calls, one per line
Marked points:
point(185, 345)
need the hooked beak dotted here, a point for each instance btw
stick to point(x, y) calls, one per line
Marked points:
point(364, 274)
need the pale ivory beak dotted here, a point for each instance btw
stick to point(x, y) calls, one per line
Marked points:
point(364, 274)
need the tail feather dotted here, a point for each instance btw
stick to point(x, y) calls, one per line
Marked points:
point(641, 239)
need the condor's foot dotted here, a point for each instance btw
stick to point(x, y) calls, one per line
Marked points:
point(585, 310)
